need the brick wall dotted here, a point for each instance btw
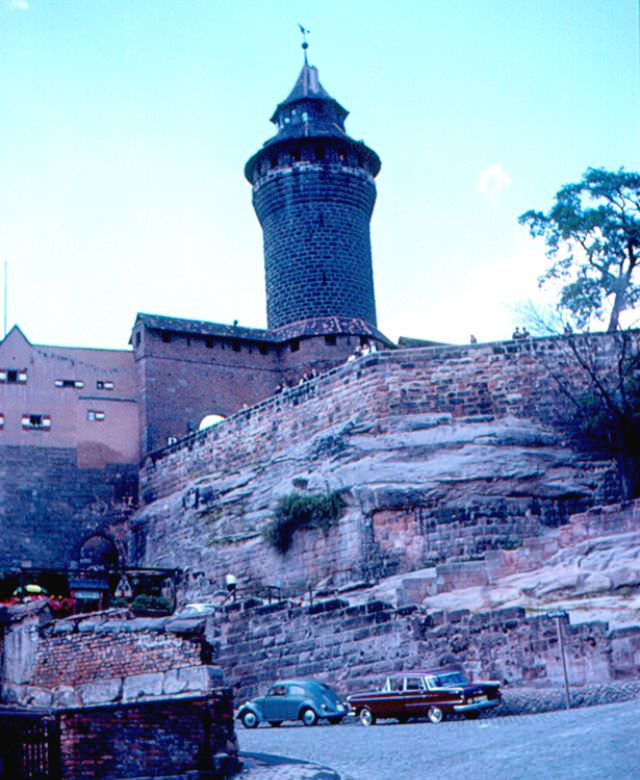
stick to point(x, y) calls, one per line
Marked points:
point(78, 658)
point(173, 738)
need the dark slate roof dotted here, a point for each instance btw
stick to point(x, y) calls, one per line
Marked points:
point(202, 328)
point(324, 326)
point(308, 87)
point(319, 326)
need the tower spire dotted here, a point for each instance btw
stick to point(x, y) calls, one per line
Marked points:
point(304, 43)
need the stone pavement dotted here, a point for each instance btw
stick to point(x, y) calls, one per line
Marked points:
point(264, 766)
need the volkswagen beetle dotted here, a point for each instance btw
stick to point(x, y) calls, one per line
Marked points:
point(303, 700)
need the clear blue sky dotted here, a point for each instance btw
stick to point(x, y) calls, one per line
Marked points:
point(125, 126)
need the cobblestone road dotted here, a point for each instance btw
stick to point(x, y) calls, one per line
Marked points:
point(594, 743)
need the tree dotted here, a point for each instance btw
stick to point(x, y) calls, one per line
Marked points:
point(592, 235)
point(599, 378)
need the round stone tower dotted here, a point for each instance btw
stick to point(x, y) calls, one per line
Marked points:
point(314, 192)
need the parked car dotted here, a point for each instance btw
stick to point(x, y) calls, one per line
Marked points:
point(305, 700)
point(431, 693)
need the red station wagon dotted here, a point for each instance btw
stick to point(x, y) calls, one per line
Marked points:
point(431, 693)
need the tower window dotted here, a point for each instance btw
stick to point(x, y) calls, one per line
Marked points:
point(36, 422)
point(138, 338)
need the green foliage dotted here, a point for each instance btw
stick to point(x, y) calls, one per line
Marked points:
point(296, 511)
point(147, 603)
point(592, 235)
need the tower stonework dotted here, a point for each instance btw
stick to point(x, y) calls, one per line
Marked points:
point(313, 193)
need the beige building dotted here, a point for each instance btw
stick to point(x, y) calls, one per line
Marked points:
point(69, 397)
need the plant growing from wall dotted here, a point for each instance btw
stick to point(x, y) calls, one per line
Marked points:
point(296, 510)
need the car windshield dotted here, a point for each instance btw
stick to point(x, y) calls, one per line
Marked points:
point(449, 679)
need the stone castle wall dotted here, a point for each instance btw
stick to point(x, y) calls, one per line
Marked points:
point(440, 453)
point(49, 505)
point(467, 383)
point(354, 647)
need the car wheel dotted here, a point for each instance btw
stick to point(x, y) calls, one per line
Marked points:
point(435, 715)
point(275, 723)
point(308, 717)
point(250, 720)
point(367, 718)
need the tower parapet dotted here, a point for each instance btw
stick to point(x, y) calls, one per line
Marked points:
point(314, 193)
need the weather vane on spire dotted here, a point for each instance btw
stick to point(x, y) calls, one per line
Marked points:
point(305, 45)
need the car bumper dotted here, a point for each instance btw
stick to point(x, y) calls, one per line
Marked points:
point(476, 705)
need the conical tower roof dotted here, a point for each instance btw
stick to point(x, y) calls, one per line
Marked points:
point(308, 87)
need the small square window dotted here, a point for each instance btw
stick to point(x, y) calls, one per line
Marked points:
point(331, 339)
point(104, 384)
point(95, 416)
point(208, 342)
point(166, 336)
point(77, 383)
point(295, 345)
point(1, 421)
point(235, 344)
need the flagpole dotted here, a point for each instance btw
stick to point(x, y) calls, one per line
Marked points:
point(5, 297)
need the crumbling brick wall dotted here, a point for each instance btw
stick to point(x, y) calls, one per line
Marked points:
point(78, 658)
point(163, 738)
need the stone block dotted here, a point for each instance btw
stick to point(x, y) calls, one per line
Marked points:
point(37, 697)
point(66, 696)
point(101, 691)
point(192, 679)
point(140, 686)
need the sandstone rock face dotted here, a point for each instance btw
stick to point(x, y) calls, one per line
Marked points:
point(419, 491)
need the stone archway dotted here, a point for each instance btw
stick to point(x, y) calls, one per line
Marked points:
point(100, 551)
